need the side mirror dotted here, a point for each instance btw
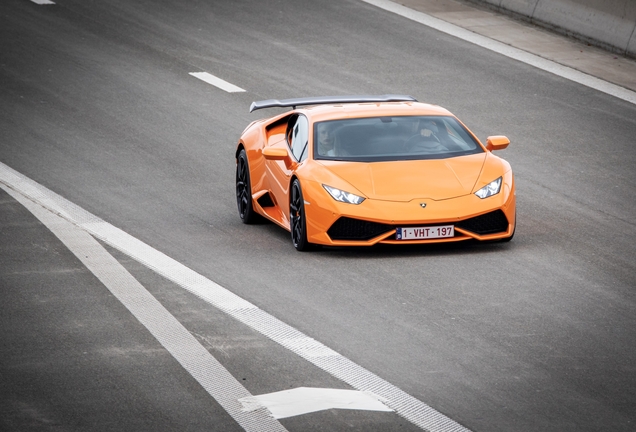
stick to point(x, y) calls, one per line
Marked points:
point(497, 142)
point(279, 153)
point(275, 153)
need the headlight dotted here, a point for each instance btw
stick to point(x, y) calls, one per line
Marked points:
point(490, 189)
point(342, 196)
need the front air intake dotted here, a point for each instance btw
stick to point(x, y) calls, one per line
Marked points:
point(354, 229)
point(489, 223)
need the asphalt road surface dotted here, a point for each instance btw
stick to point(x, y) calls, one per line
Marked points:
point(97, 104)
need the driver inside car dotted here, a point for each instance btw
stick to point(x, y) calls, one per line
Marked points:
point(425, 139)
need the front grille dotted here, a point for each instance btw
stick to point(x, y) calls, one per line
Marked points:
point(489, 223)
point(354, 229)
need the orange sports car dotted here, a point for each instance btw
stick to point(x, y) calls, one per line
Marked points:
point(362, 170)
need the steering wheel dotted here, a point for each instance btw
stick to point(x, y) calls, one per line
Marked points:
point(418, 138)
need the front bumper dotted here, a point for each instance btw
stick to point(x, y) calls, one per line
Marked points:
point(375, 221)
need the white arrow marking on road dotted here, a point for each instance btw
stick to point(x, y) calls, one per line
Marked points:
point(217, 82)
point(304, 400)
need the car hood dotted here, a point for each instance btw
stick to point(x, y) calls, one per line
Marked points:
point(435, 179)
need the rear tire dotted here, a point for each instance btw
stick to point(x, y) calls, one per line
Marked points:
point(244, 190)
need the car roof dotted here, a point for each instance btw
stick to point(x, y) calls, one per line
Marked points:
point(321, 108)
point(372, 109)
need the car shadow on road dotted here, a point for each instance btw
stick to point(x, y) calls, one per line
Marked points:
point(432, 249)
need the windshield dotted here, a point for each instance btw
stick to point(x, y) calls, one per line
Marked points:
point(392, 138)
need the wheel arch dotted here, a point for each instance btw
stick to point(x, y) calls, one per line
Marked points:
point(239, 147)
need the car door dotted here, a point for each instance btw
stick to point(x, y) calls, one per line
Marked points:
point(280, 171)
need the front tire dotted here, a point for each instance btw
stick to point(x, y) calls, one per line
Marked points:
point(244, 190)
point(297, 219)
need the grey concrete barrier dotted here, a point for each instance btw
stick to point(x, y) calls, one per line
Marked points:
point(610, 24)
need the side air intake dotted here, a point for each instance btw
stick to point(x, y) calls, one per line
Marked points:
point(489, 223)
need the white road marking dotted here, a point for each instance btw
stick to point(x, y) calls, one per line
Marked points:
point(304, 400)
point(507, 50)
point(43, 2)
point(184, 347)
point(217, 82)
point(356, 376)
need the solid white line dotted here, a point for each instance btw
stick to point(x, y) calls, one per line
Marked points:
point(356, 376)
point(217, 82)
point(174, 337)
point(507, 50)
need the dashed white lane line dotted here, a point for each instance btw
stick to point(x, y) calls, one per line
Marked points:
point(217, 82)
point(43, 2)
point(359, 378)
point(179, 342)
point(507, 50)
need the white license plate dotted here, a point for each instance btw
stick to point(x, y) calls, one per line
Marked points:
point(422, 233)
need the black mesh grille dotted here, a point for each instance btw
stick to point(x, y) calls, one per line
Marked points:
point(488, 223)
point(355, 229)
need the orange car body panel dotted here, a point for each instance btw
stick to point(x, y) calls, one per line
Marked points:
point(394, 191)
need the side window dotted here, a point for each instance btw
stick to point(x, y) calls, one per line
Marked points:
point(298, 137)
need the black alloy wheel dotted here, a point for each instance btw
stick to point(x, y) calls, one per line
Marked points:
point(297, 218)
point(244, 190)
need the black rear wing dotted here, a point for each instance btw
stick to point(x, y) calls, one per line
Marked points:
point(270, 103)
